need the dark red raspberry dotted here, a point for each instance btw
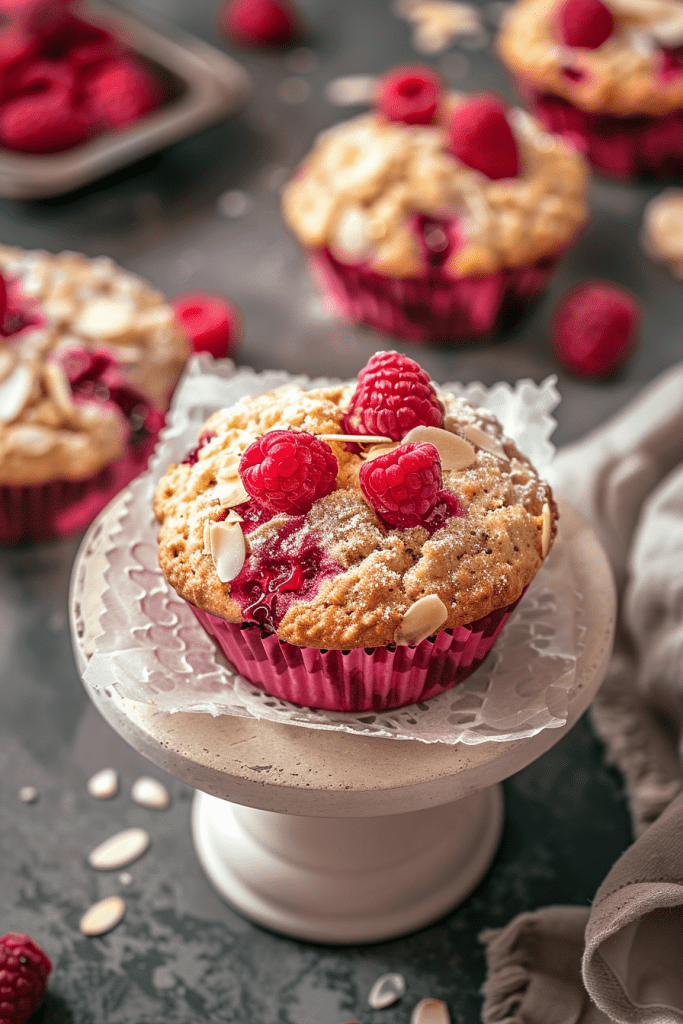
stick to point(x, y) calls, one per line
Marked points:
point(586, 23)
point(24, 971)
point(287, 471)
point(211, 322)
point(43, 76)
point(403, 485)
point(120, 91)
point(393, 395)
point(481, 137)
point(46, 122)
point(80, 43)
point(595, 328)
point(260, 22)
point(409, 94)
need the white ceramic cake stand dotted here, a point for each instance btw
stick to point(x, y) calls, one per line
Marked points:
point(329, 836)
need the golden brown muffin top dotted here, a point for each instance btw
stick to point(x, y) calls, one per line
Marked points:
point(623, 76)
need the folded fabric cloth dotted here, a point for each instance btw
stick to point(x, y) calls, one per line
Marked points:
point(621, 961)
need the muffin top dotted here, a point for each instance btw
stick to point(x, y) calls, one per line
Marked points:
point(358, 516)
point(469, 188)
point(617, 57)
point(87, 352)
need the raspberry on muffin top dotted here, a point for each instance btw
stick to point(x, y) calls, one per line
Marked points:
point(288, 516)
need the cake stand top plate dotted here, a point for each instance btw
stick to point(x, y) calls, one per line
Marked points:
point(296, 770)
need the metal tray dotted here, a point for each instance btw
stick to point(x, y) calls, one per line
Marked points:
point(205, 85)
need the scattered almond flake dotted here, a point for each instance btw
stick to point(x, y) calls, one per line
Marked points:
point(379, 449)
point(422, 619)
point(149, 792)
point(430, 1011)
point(294, 90)
point(454, 452)
point(546, 529)
point(103, 916)
point(15, 390)
point(387, 990)
point(483, 440)
point(104, 784)
point(105, 318)
point(58, 387)
point(119, 850)
point(358, 438)
point(28, 794)
point(125, 878)
point(234, 203)
point(230, 494)
point(207, 536)
point(350, 90)
point(228, 550)
point(8, 358)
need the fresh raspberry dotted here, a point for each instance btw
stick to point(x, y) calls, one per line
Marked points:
point(211, 322)
point(260, 22)
point(287, 471)
point(481, 137)
point(595, 328)
point(120, 91)
point(403, 485)
point(16, 48)
point(46, 122)
point(80, 43)
point(43, 76)
point(38, 17)
point(392, 396)
point(409, 94)
point(586, 23)
point(24, 970)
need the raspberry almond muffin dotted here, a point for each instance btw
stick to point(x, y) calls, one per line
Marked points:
point(605, 74)
point(89, 355)
point(437, 216)
point(354, 548)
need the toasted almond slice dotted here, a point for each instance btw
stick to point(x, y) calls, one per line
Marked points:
point(669, 31)
point(230, 494)
point(229, 471)
point(103, 916)
point(358, 438)
point(228, 550)
point(233, 517)
point(430, 1011)
point(379, 449)
point(546, 529)
point(104, 784)
point(149, 792)
point(119, 850)
point(157, 316)
point(483, 440)
point(454, 451)
point(386, 991)
point(58, 388)
point(31, 439)
point(422, 619)
point(15, 390)
point(207, 536)
point(8, 359)
point(105, 318)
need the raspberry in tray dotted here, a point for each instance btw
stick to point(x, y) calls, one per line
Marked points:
point(345, 568)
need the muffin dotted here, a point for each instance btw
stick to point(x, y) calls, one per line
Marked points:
point(354, 547)
point(608, 76)
point(437, 216)
point(89, 356)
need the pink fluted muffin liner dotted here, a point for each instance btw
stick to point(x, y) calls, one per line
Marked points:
point(362, 679)
point(62, 507)
point(434, 307)
point(622, 147)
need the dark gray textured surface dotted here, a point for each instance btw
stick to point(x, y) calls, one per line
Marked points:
point(180, 954)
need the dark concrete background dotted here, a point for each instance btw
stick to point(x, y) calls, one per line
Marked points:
point(181, 955)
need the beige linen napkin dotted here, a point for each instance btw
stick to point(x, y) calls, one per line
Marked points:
point(626, 952)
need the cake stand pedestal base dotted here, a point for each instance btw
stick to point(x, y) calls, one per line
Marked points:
point(347, 880)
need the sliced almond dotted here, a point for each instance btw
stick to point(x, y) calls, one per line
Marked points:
point(231, 493)
point(228, 550)
point(8, 358)
point(546, 529)
point(379, 449)
point(229, 471)
point(58, 388)
point(233, 517)
point(103, 916)
point(483, 440)
point(430, 1011)
point(119, 850)
point(104, 784)
point(454, 451)
point(149, 792)
point(15, 391)
point(105, 318)
point(207, 536)
point(31, 439)
point(158, 316)
point(357, 438)
point(421, 620)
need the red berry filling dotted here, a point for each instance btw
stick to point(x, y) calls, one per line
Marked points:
point(211, 322)
point(120, 91)
point(260, 22)
point(586, 23)
point(24, 970)
point(481, 137)
point(403, 485)
point(671, 63)
point(595, 328)
point(193, 454)
point(393, 395)
point(289, 566)
point(409, 94)
point(287, 471)
point(17, 311)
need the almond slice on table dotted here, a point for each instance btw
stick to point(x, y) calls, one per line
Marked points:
point(149, 792)
point(422, 619)
point(15, 391)
point(104, 784)
point(103, 916)
point(454, 451)
point(483, 440)
point(430, 1011)
point(119, 850)
point(228, 550)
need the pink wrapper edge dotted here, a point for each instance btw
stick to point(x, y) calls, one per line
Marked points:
point(362, 679)
point(436, 307)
